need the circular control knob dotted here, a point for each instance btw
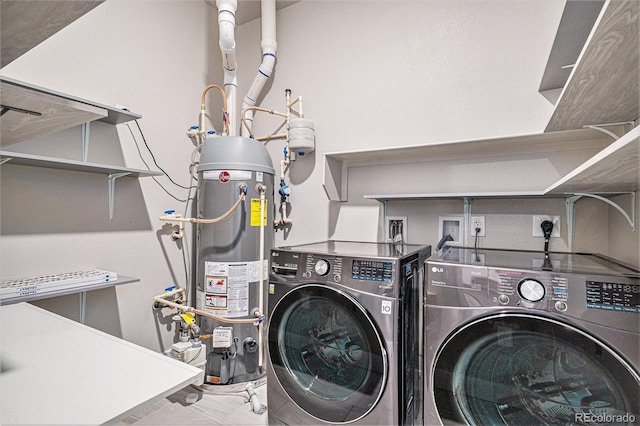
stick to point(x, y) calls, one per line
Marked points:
point(531, 290)
point(322, 267)
point(503, 299)
point(561, 306)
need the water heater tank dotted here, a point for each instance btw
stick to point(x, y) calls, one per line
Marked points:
point(228, 252)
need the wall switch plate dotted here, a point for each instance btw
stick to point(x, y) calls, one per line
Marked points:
point(478, 222)
point(396, 229)
point(537, 221)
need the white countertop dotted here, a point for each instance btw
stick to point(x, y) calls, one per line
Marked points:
point(56, 371)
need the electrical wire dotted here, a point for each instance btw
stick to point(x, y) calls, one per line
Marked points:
point(475, 245)
point(154, 158)
point(189, 199)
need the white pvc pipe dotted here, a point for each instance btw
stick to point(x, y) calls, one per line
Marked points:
point(227, 25)
point(269, 48)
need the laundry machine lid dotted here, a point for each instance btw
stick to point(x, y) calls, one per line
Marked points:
point(327, 353)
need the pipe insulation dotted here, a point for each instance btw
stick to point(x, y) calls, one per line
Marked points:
point(227, 25)
point(269, 49)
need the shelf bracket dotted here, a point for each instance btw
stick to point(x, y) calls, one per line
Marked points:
point(467, 219)
point(570, 202)
point(599, 127)
point(112, 190)
point(85, 141)
point(5, 159)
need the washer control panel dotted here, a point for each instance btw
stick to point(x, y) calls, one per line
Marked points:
point(510, 287)
point(372, 275)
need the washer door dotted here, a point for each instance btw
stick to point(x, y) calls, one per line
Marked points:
point(327, 353)
point(521, 369)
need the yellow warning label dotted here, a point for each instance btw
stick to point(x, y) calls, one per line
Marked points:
point(255, 212)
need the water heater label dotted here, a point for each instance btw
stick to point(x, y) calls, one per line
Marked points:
point(227, 287)
point(226, 175)
point(255, 212)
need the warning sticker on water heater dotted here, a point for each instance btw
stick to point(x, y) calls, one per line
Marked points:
point(255, 212)
point(226, 287)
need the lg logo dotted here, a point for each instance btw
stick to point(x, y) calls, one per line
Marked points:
point(436, 269)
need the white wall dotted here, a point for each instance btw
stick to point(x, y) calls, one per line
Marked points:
point(402, 73)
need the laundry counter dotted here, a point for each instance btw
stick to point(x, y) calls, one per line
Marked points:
point(56, 371)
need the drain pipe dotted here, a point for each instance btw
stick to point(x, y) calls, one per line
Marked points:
point(227, 25)
point(269, 48)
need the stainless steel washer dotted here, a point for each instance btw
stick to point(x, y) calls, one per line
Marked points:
point(344, 333)
point(523, 337)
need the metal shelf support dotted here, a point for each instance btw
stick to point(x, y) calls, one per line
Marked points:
point(112, 190)
point(571, 211)
point(85, 141)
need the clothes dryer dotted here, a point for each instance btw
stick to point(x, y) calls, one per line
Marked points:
point(344, 334)
point(524, 337)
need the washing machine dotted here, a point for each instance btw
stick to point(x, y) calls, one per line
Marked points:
point(344, 333)
point(525, 337)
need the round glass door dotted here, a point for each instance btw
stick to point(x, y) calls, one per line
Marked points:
point(519, 369)
point(327, 353)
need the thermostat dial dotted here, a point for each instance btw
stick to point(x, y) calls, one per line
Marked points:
point(531, 290)
point(322, 267)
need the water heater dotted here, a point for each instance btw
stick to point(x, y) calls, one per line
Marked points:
point(228, 254)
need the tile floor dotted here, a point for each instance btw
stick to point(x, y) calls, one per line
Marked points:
point(216, 405)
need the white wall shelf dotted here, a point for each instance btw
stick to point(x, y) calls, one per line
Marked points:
point(29, 111)
point(80, 289)
point(72, 165)
point(112, 172)
point(48, 111)
point(603, 86)
point(122, 279)
point(337, 164)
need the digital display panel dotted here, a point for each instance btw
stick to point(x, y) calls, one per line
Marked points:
point(369, 270)
point(613, 296)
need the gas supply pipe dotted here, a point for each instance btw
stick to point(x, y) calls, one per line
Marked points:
point(161, 299)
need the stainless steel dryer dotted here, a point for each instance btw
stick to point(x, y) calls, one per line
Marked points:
point(523, 337)
point(344, 327)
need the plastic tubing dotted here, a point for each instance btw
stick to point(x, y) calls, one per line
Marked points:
point(176, 218)
point(270, 111)
point(161, 299)
point(203, 108)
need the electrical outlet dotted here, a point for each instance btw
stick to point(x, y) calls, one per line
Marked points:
point(396, 229)
point(478, 222)
point(538, 219)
